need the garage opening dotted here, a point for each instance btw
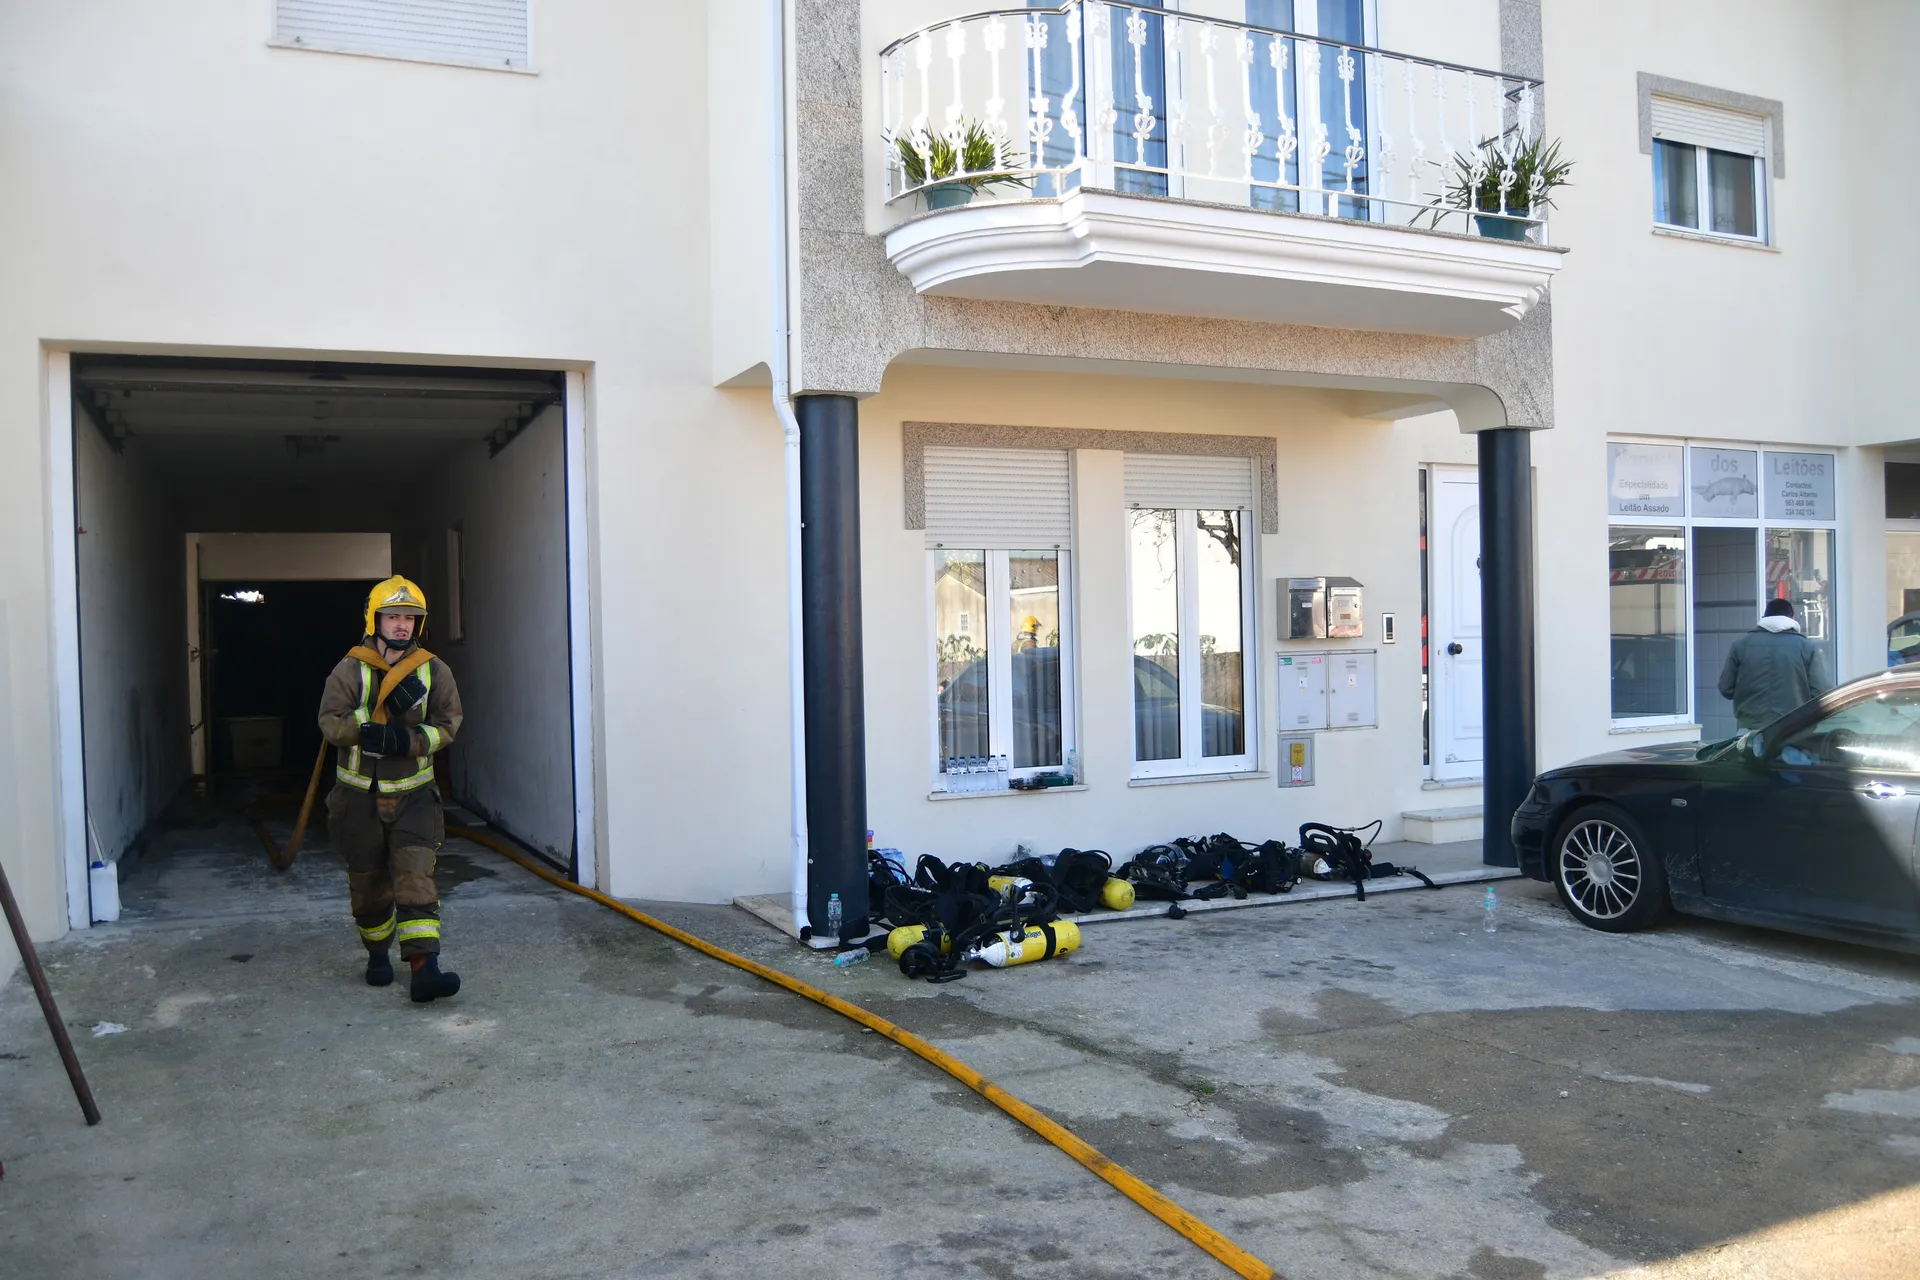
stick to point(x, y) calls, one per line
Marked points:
point(230, 518)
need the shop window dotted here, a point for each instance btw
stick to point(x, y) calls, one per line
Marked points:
point(1646, 605)
point(1693, 563)
point(999, 573)
point(1903, 490)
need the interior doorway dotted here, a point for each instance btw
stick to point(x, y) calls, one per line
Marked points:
point(187, 670)
point(1455, 640)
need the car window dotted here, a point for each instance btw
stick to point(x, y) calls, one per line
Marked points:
point(1877, 733)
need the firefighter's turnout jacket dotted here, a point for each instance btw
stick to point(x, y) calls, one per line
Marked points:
point(384, 812)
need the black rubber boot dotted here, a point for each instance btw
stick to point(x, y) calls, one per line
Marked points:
point(379, 969)
point(429, 983)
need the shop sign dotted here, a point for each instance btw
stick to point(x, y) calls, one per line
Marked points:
point(1799, 486)
point(1644, 479)
point(1726, 483)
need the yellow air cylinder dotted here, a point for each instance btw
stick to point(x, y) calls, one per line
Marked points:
point(898, 940)
point(1043, 942)
point(1009, 886)
point(1116, 894)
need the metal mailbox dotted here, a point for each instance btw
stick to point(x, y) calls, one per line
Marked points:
point(1321, 609)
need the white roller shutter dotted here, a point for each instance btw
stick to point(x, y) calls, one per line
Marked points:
point(1677, 120)
point(1189, 480)
point(998, 499)
point(490, 33)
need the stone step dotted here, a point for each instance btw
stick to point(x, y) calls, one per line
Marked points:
point(1442, 826)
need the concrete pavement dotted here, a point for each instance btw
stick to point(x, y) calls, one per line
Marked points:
point(1376, 1089)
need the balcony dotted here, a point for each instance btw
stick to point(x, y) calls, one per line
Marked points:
point(1115, 156)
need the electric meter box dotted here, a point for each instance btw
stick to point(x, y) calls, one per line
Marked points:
point(1321, 609)
point(1351, 701)
point(1303, 692)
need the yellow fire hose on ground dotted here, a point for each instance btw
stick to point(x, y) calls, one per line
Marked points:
point(1236, 1259)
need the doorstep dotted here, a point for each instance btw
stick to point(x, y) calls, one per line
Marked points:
point(1443, 826)
point(1445, 864)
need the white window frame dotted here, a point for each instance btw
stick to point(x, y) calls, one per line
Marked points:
point(1187, 563)
point(1761, 523)
point(1703, 195)
point(999, 652)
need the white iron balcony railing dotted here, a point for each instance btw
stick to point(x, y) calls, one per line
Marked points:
point(1133, 98)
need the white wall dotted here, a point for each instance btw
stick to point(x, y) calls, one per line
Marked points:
point(1799, 343)
point(132, 642)
point(513, 758)
point(1348, 505)
point(180, 187)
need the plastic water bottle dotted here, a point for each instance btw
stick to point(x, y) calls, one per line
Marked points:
point(1001, 772)
point(850, 957)
point(1492, 902)
point(1073, 765)
point(834, 916)
point(979, 771)
point(953, 774)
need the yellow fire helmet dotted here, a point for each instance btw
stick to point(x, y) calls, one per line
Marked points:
point(395, 595)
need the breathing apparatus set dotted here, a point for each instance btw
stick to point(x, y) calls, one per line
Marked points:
point(942, 916)
point(947, 914)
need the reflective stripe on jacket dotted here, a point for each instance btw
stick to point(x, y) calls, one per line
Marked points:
point(347, 704)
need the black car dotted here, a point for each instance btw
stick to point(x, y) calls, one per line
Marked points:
point(1807, 824)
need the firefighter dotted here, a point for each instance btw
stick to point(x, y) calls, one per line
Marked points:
point(389, 706)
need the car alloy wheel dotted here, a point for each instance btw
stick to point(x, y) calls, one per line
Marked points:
point(1601, 869)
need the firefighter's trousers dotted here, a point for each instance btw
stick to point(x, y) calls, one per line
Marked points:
point(388, 844)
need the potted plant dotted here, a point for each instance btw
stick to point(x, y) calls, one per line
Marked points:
point(1473, 183)
point(948, 176)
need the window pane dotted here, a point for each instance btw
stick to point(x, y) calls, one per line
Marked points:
point(1223, 730)
point(1153, 554)
point(1033, 580)
point(1903, 491)
point(1342, 21)
point(1647, 589)
point(960, 653)
point(1676, 189)
point(1800, 569)
point(1133, 96)
point(1730, 177)
point(1273, 92)
point(1726, 600)
point(1903, 598)
point(1881, 734)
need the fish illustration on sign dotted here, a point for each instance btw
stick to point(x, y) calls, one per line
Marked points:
point(1725, 487)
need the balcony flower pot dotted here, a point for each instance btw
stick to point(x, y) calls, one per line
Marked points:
point(1532, 169)
point(948, 195)
point(947, 176)
point(1496, 226)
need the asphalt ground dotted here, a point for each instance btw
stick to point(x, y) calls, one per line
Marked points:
point(1347, 1089)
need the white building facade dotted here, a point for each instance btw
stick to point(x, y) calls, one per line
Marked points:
point(583, 305)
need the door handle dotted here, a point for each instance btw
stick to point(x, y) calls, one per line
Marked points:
point(1877, 790)
point(1455, 649)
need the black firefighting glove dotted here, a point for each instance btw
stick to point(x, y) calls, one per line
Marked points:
point(386, 739)
point(406, 695)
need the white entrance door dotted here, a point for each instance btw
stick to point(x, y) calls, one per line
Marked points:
point(1454, 640)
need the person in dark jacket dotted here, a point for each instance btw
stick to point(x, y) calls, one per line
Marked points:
point(1772, 669)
